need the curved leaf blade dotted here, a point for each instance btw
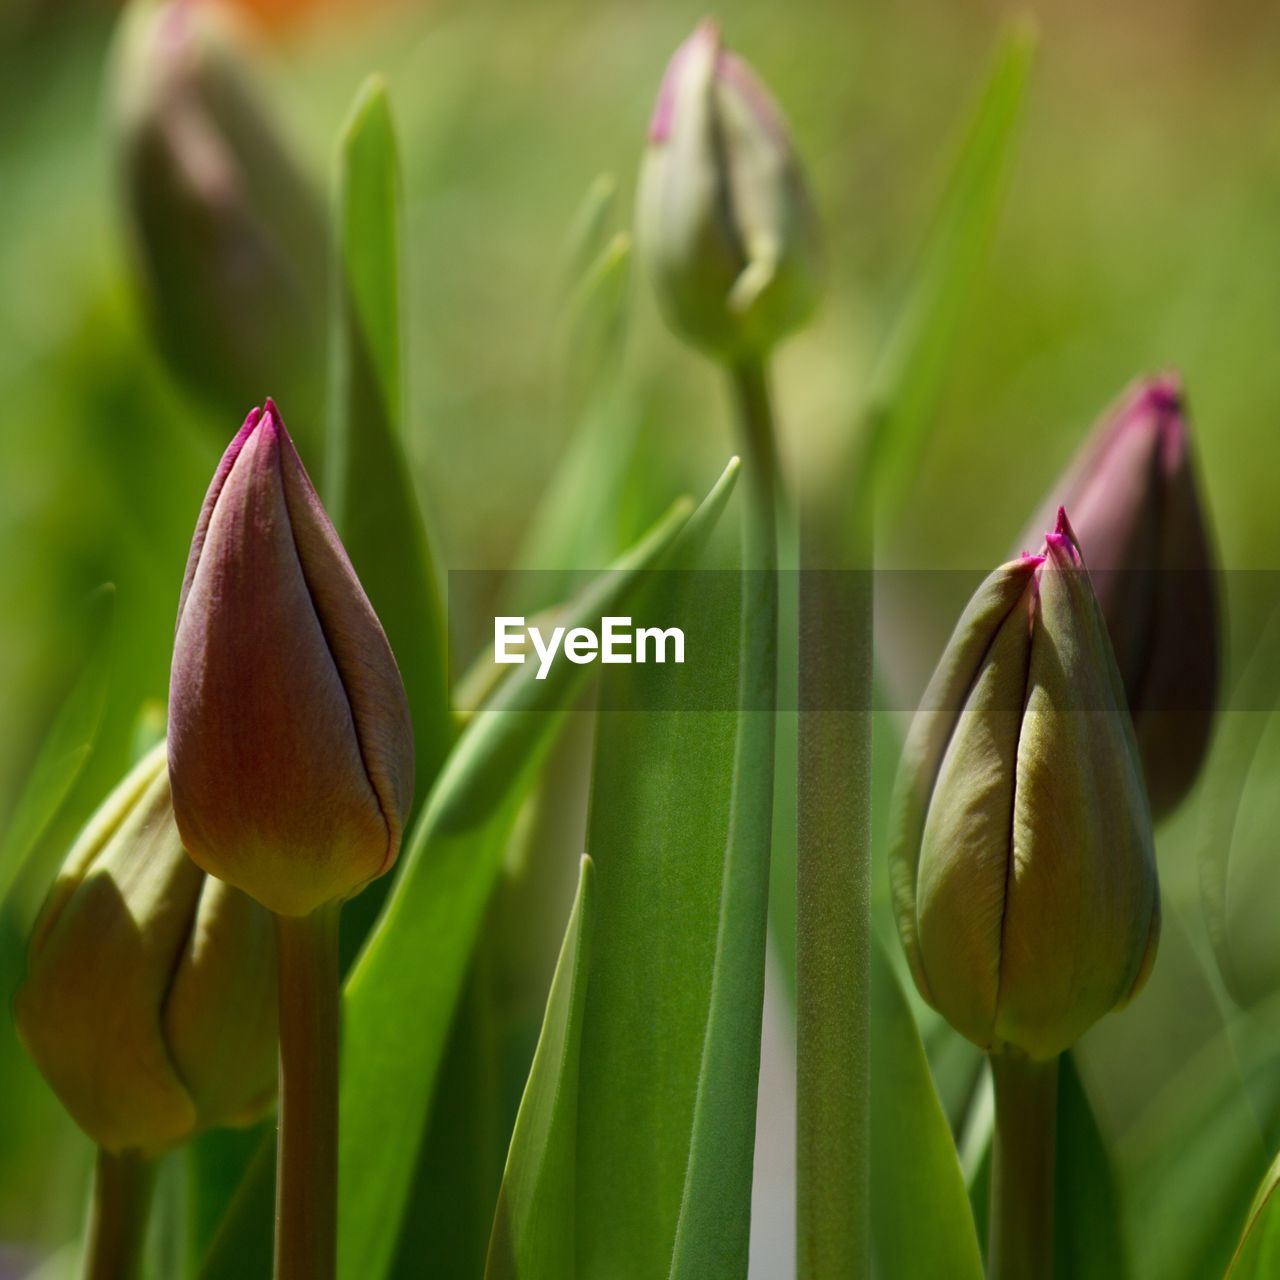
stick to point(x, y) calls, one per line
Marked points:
point(416, 957)
point(368, 484)
point(908, 376)
point(921, 1223)
point(67, 746)
point(533, 1235)
point(1257, 1256)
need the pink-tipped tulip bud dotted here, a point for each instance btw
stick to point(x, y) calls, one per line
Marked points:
point(724, 217)
point(1022, 861)
point(149, 1001)
point(1135, 504)
point(290, 747)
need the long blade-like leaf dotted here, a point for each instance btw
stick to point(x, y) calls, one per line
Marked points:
point(921, 1223)
point(66, 747)
point(416, 957)
point(1257, 1256)
point(369, 489)
point(908, 377)
point(533, 1229)
point(661, 834)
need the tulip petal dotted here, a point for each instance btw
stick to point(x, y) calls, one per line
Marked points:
point(97, 976)
point(270, 785)
point(1082, 894)
point(966, 846)
point(930, 731)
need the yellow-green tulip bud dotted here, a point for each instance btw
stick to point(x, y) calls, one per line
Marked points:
point(1022, 861)
point(149, 1002)
point(724, 217)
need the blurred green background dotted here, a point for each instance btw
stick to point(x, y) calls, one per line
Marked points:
point(1141, 231)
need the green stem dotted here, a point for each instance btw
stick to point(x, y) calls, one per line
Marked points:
point(1020, 1241)
point(761, 475)
point(833, 887)
point(117, 1230)
point(307, 1158)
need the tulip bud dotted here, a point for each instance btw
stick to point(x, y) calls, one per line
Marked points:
point(1135, 504)
point(149, 1002)
point(290, 747)
point(724, 216)
point(227, 237)
point(1022, 861)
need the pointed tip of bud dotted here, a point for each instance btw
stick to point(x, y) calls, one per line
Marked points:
point(1161, 394)
point(705, 37)
point(1061, 544)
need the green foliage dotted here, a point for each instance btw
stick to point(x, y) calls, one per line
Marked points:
point(368, 486)
point(416, 956)
point(533, 1229)
point(1258, 1253)
point(66, 747)
point(921, 1223)
point(908, 378)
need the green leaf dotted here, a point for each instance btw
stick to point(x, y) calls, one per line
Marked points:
point(575, 524)
point(921, 1223)
point(1257, 1256)
point(533, 1229)
point(589, 228)
point(66, 748)
point(1238, 771)
point(1089, 1237)
point(713, 1230)
point(908, 378)
point(416, 957)
point(369, 488)
point(666, 781)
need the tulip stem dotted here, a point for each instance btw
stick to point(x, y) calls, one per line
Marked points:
point(307, 1160)
point(1020, 1240)
point(118, 1216)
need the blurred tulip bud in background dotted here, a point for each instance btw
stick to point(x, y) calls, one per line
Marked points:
point(1144, 530)
point(228, 239)
point(1022, 861)
point(149, 1002)
point(724, 217)
point(290, 747)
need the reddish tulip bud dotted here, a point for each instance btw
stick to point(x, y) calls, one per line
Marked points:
point(1142, 526)
point(290, 747)
point(228, 238)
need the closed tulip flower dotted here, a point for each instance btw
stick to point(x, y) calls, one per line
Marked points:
point(1023, 869)
point(290, 747)
point(228, 236)
point(1144, 529)
point(149, 999)
point(724, 217)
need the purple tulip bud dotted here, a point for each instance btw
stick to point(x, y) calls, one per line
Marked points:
point(1022, 861)
point(290, 746)
point(724, 217)
point(228, 238)
point(1135, 503)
